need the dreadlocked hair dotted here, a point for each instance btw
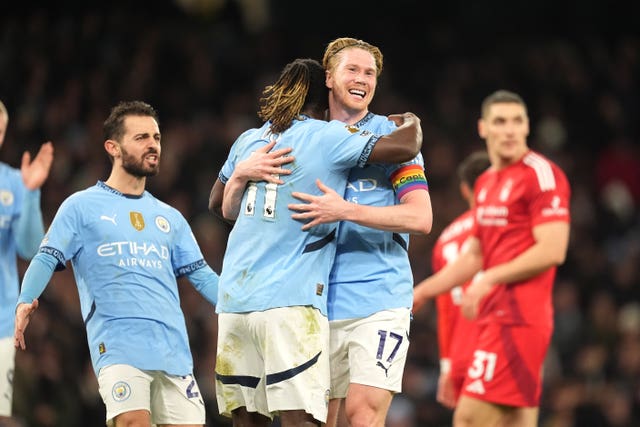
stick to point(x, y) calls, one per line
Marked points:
point(283, 101)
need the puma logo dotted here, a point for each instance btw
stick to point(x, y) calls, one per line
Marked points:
point(386, 370)
point(108, 218)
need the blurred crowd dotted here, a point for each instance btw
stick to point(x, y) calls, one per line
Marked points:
point(203, 70)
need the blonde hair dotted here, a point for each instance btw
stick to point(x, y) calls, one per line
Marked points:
point(331, 57)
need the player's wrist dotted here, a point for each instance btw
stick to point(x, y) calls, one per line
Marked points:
point(445, 365)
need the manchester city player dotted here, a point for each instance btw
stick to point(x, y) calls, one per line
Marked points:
point(127, 248)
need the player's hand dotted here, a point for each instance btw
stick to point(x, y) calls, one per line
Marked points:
point(23, 315)
point(265, 165)
point(472, 296)
point(329, 207)
point(446, 394)
point(399, 119)
point(35, 173)
point(420, 298)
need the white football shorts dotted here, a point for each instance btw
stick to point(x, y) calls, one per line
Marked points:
point(370, 351)
point(170, 399)
point(273, 360)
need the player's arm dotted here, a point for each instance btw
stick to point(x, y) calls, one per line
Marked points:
point(401, 145)
point(29, 229)
point(262, 165)
point(35, 280)
point(205, 280)
point(460, 270)
point(215, 198)
point(30, 226)
point(412, 215)
point(549, 250)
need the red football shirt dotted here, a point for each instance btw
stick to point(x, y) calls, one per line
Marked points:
point(509, 203)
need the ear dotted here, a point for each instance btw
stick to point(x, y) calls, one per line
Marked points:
point(482, 129)
point(328, 80)
point(112, 147)
point(467, 192)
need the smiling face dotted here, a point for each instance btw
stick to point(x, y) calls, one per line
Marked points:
point(140, 146)
point(505, 127)
point(352, 84)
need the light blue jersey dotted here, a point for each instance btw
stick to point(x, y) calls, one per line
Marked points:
point(126, 252)
point(270, 262)
point(21, 231)
point(371, 270)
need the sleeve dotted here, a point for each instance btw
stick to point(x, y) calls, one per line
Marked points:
point(550, 202)
point(37, 277)
point(409, 176)
point(186, 256)
point(62, 240)
point(205, 280)
point(30, 226)
point(350, 146)
point(226, 171)
point(240, 150)
point(230, 164)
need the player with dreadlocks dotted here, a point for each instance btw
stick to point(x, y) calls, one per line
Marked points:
point(273, 332)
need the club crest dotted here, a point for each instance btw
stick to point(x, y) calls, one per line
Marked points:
point(137, 220)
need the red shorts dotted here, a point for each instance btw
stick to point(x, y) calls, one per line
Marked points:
point(507, 364)
point(460, 362)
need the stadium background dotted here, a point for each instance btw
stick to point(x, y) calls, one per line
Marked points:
point(203, 63)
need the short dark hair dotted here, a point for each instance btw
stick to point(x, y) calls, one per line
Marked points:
point(113, 127)
point(473, 166)
point(501, 97)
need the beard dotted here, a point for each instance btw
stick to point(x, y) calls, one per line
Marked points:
point(137, 168)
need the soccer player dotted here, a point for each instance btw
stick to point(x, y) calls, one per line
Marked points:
point(520, 236)
point(21, 230)
point(455, 332)
point(273, 331)
point(371, 283)
point(127, 248)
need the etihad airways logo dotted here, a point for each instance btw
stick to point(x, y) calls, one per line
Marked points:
point(135, 253)
point(361, 185)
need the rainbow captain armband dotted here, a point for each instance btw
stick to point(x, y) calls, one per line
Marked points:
point(408, 178)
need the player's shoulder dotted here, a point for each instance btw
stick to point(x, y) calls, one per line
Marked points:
point(84, 194)
point(460, 226)
point(162, 207)
point(307, 125)
point(376, 123)
point(250, 136)
point(320, 129)
point(543, 170)
point(252, 132)
point(9, 173)
point(535, 159)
